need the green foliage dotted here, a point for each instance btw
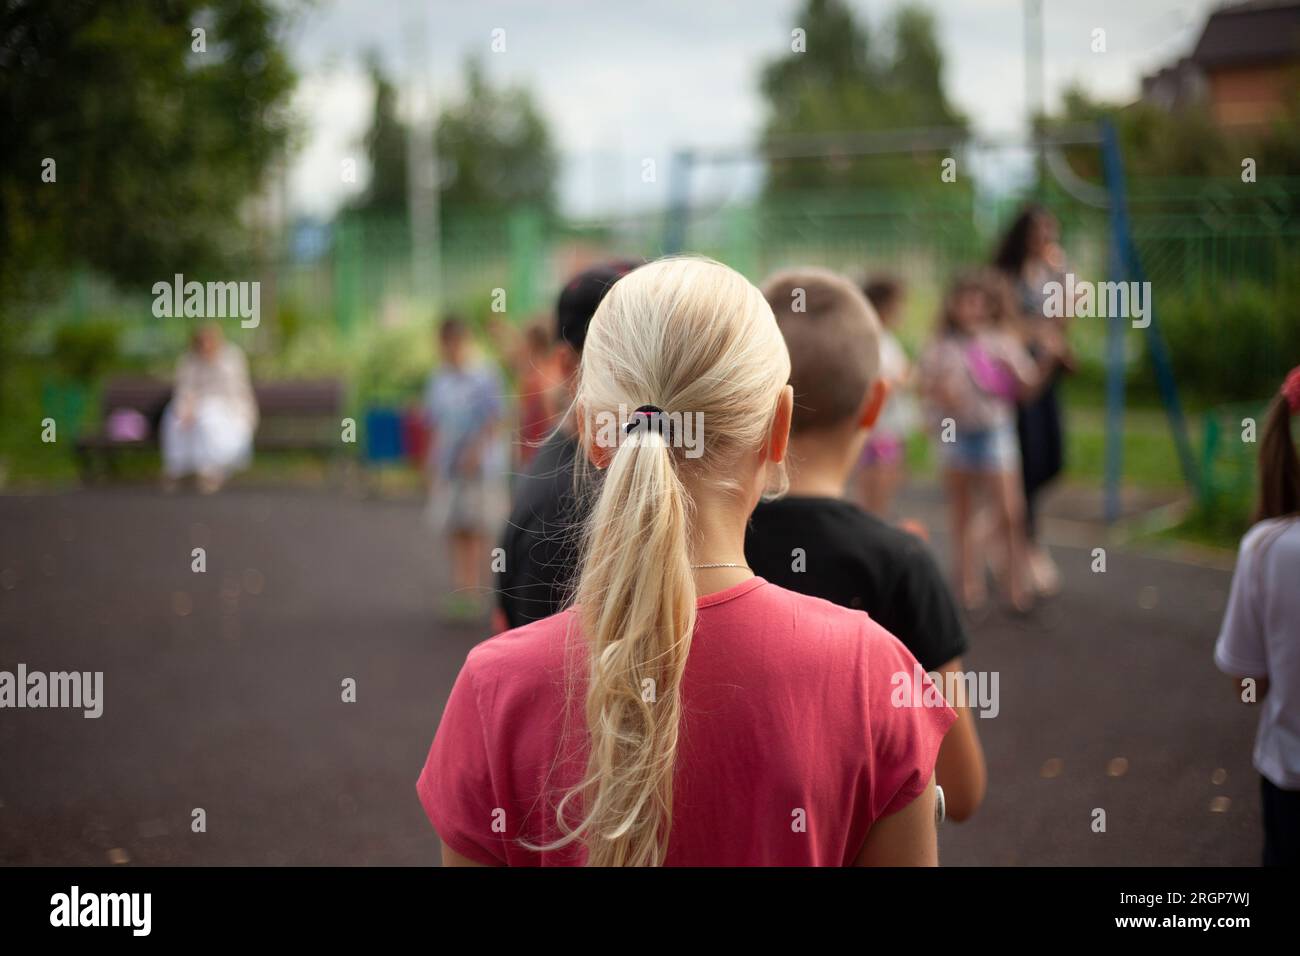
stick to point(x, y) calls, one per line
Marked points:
point(494, 150)
point(1278, 148)
point(1232, 341)
point(1220, 523)
point(290, 320)
point(847, 82)
point(1148, 452)
point(395, 365)
point(380, 365)
point(386, 148)
point(84, 351)
point(1160, 143)
point(156, 145)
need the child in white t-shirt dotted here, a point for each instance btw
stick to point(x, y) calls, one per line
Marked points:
point(1259, 642)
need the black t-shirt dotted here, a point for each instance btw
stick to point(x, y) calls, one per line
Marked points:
point(854, 559)
point(541, 537)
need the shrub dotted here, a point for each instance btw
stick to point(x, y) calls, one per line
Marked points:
point(84, 351)
point(1231, 342)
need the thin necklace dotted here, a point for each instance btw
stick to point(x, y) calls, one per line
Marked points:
point(698, 567)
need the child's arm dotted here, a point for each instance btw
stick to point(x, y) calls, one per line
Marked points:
point(1033, 373)
point(960, 768)
point(906, 838)
point(472, 455)
point(1241, 651)
point(451, 858)
point(936, 383)
point(493, 409)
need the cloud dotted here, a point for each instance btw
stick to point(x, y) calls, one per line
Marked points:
point(334, 106)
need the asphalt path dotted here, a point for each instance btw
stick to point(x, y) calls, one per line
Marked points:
point(223, 692)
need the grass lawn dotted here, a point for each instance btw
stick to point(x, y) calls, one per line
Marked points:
point(1150, 457)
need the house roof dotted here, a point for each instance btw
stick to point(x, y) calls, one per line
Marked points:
point(1257, 31)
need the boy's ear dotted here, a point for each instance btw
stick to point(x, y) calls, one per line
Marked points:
point(566, 358)
point(873, 403)
point(778, 440)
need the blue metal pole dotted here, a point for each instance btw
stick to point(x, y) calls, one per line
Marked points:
point(1113, 164)
point(1122, 241)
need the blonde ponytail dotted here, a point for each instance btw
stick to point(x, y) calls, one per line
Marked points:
point(693, 338)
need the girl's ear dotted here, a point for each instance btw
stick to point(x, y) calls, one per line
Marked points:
point(778, 439)
point(595, 450)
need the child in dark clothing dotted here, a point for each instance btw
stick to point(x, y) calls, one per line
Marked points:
point(815, 542)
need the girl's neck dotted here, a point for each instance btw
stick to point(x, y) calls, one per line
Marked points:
point(712, 580)
point(719, 538)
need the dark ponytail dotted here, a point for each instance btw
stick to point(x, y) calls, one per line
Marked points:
point(1279, 467)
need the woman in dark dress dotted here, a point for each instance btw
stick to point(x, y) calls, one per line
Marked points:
point(1030, 257)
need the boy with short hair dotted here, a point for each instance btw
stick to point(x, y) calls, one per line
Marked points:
point(815, 542)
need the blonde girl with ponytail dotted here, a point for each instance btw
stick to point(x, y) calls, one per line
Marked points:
point(683, 711)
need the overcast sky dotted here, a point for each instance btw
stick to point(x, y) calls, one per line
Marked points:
point(622, 81)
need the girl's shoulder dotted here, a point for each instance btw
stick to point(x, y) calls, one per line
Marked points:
point(1272, 539)
point(815, 623)
point(524, 657)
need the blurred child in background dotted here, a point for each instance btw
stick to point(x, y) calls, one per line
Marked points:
point(536, 378)
point(467, 456)
point(882, 456)
point(972, 374)
point(1260, 637)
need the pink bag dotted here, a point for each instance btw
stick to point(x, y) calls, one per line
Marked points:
point(991, 375)
point(126, 424)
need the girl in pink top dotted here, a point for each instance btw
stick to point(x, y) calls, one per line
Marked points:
point(972, 375)
point(683, 711)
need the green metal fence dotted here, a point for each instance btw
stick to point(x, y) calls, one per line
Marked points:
point(1196, 238)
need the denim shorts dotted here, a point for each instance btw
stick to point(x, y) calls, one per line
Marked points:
point(989, 449)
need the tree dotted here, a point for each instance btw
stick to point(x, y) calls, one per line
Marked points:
point(494, 150)
point(129, 146)
point(385, 146)
point(1187, 142)
point(843, 81)
point(152, 145)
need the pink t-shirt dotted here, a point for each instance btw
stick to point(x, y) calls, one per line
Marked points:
point(796, 736)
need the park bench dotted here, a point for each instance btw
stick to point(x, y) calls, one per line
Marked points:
point(296, 416)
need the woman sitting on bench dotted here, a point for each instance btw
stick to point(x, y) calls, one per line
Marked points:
point(207, 429)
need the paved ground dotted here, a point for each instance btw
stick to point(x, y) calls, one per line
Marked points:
point(223, 692)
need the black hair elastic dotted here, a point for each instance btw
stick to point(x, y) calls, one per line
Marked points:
point(656, 418)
